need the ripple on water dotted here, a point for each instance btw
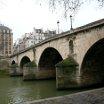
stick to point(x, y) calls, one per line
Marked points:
point(18, 95)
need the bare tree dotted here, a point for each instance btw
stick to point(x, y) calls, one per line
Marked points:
point(68, 5)
point(101, 2)
point(71, 6)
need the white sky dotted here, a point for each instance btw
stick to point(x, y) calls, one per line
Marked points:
point(22, 15)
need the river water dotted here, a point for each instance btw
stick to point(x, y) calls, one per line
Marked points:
point(13, 90)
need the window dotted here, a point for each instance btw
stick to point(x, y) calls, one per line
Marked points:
point(6, 52)
point(7, 31)
point(10, 47)
point(2, 52)
point(9, 43)
point(9, 35)
point(3, 31)
point(9, 52)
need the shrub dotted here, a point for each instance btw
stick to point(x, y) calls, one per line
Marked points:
point(14, 65)
point(30, 64)
point(67, 62)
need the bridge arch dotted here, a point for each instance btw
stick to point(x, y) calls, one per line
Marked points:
point(92, 67)
point(24, 60)
point(49, 58)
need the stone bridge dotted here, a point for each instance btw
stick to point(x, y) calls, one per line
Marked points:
point(85, 44)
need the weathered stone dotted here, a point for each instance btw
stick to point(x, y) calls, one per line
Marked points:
point(66, 74)
point(15, 71)
point(45, 74)
point(87, 97)
point(29, 73)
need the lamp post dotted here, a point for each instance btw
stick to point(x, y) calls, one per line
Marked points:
point(71, 22)
point(58, 25)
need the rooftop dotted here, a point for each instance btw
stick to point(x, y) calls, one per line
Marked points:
point(2, 27)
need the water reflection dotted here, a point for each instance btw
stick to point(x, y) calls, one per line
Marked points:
point(16, 91)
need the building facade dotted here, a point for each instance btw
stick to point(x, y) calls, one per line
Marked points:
point(6, 41)
point(32, 38)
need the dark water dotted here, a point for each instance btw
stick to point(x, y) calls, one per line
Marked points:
point(13, 90)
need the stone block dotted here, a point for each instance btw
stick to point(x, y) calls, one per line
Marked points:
point(45, 74)
point(29, 73)
point(66, 74)
point(66, 77)
point(15, 71)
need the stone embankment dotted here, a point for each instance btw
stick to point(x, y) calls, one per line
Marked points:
point(95, 96)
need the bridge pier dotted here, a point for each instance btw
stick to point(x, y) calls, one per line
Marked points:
point(35, 73)
point(29, 73)
point(67, 74)
point(93, 77)
point(15, 72)
point(45, 74)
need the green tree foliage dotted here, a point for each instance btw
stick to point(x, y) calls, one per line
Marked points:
point(67, 62)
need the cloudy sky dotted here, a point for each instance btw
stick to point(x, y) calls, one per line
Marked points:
point(22, 15)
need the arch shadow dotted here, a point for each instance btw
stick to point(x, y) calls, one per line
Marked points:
point(46, 66)
point(49, 58)
point(92, 68)
point(23, 61)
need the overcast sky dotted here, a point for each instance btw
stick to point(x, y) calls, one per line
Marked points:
point(22, 15)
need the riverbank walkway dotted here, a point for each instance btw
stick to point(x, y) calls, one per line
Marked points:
point(95, 96)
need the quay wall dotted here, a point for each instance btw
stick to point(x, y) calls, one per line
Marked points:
point(95, 96)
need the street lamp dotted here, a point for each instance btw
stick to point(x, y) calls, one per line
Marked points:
point(58, 25)
point(71, 22)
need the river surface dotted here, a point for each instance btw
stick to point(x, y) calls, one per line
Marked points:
point(13, 90)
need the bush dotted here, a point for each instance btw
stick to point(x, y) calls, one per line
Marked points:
point(67, 62)
point(14, 65)
point(30, 64)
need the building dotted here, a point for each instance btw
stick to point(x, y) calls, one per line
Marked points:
point(49, 33)
point(32, 38)
point(6, 41)
point(38, 35)
point(24, 42)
